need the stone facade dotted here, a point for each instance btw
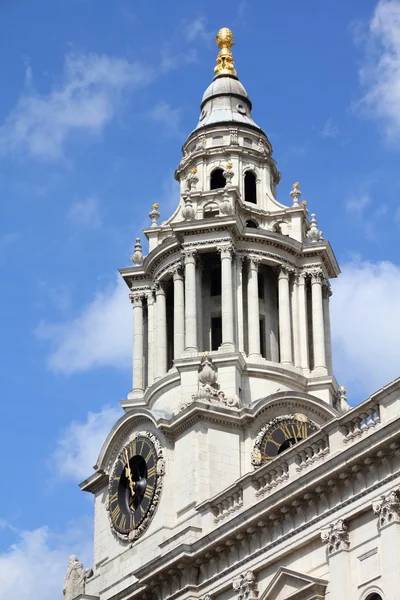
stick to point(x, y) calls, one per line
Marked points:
point(273, 488)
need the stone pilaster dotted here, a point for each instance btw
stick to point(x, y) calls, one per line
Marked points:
point(253, 316)
point(161, 331)
point(226, 253)
point(189, 255)
point(138, 343)
point(326, 294)
point(285, 326)
point(338, 543)
point(388, 510)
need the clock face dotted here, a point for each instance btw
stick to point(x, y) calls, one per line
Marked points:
point(133, 485)
point(281, 434)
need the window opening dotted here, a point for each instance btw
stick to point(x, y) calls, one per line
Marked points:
point(216, 332)
point(216, 281)
point(250, 187)
point(217, 180)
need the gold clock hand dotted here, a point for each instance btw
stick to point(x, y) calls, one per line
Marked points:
point(129, 474)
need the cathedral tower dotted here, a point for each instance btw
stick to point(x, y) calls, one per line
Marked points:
point(234, 412)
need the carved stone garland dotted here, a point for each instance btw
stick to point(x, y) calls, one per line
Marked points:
point(246, 586)
point(160, 472)
point(256, 457)
point(209, 390)
point(336, 537)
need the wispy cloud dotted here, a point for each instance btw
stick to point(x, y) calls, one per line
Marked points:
point(83, 103)
point(80, 443)
point(34, 565)
point(330, 129)
point(99, 336)
point(380, 73)
point(86, 214)
point(365, 211)
point(197, 29)
point(365, 324)
point(167, 116)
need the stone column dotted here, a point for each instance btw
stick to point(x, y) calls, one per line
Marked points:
point(285, 326)
point(337, 539)
point(226, 296)
point(304, 361)
point(151, 337)
point(161, 331)
point(179, 312)
point(189, 255)
point(388, 510)
point(318, 321)
point(138, 346)
point(199, 304)
point(253, 318)
point(294, 305)
point(326, 294)
point(239, 302)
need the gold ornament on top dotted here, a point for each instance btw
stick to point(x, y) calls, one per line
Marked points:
point(155, 206)
point(225, 63)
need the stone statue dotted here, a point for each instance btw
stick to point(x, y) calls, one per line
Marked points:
point(75, 578)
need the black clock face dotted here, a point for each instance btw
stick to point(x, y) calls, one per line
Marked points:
point(284, 434)
point(132, 485)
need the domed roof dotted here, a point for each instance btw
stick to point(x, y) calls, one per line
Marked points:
point(225, 85)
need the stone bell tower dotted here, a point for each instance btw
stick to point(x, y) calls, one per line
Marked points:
point(234, 418)
point(233, 272)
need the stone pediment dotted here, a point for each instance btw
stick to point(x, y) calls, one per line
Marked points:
point(291, 585)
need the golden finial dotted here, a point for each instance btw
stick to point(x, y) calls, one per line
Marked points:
point(194, 170)
point(155, 206)
point(303, 203)
point(296, 185)
point(225, 41)
point(229, 165)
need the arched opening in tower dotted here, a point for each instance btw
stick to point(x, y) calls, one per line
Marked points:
point(217, 180)
point(250, 187)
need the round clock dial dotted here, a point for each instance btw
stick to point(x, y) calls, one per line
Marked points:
point(279, 435)
point(133, 485)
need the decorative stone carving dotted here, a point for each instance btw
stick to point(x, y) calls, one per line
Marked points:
point(137, 256)
point(154, 215)
point(313, 233)
point(225, 205)
point(228, 174)
point(75, 578)
point(209, 388)
point(295, 194)
point(136, 298)
point(192, 180)
point(234, 137)
point(388, 508)
point(246, 586)
point(342, 403)
point(337, 537)
point(261, 147)
point(188, 211)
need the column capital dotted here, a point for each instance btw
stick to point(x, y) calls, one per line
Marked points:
point(388, 508)
point(301, 277)
point(159, 288)
point(150, 297)
point(136, 298)
point(176, 271)
point(336, 537)
point(226, 250)
point(317, 276)
point(284, 272)
point(254, 262)
point(189, 255)
point(326, 289)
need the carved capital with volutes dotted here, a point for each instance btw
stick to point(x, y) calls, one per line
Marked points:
point(246, 586)
point(254, 262)
point(336, 537)
point(189, 255)
point(176, 271)
point(150, 297)
point(226, 251)
point(136, 298)
point(388, 508)
point(317, 277)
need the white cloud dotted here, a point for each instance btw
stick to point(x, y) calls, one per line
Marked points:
point(82, 104)
point(80, 443)
point(85, 214)
point(366, 325)
point(195, 29)
point(357, 204)
point(166, 115)
point(34, 565)
point(101, 335)
point(380, 73)
point(330, 129)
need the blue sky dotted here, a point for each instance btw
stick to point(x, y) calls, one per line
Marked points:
point(97, 99)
